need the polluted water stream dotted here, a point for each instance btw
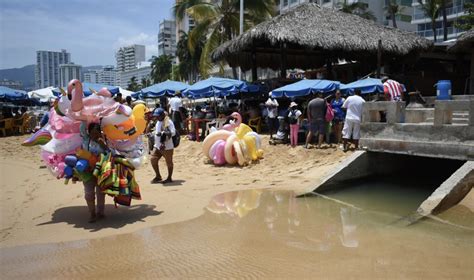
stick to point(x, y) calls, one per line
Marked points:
point(352, 233)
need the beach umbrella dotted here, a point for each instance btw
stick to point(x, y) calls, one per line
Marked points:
point(89, 87)
point(9, 95)
point(217, 87)
point(306, 87)
point(366, 86)
point(164, 88)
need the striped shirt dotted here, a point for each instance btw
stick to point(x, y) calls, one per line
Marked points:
point(393, 89)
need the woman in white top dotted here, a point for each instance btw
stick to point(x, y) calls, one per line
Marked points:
point(294, 116)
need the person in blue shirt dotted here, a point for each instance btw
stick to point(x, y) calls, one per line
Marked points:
point(339, 116)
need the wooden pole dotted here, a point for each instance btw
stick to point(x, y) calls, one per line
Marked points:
point(254, 64)
point(283, 60)
point(379, 58)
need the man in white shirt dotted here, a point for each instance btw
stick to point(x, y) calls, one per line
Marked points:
point(164, 147)
point(272, 116)
point(175, 104)
point(354, 105)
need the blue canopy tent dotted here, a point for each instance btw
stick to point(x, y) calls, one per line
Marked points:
point(88, 86)
point(216, 87)
point(11, 95)
point(306, 87)
point(158, 90)
point(366, 86)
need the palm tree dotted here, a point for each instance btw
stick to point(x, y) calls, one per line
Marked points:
point(466, 22)
point(431, 10)
point(218, 21)
point(133, 84)
point(357, 8)
point(188, 67)
point(161, 68)
point(146, 82)
point(445, 3)
point(393, 9)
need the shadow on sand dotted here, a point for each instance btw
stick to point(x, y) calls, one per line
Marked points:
point(115, 217)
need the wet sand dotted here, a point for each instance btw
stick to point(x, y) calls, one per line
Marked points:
point(261, 234)
point(37, 208)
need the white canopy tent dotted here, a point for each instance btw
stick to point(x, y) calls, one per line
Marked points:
point(43, 94)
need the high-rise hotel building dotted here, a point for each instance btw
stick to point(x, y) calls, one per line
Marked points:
point(47, 67)
point(128, 57)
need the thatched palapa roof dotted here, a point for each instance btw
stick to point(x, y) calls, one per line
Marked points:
point(465, 42)
point(311, 34)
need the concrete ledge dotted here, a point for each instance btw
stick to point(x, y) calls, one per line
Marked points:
point(353, 167)
point(451, 192)
point(419, 132)
point(448, 150)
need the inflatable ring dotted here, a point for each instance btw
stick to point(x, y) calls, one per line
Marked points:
point(239, 152)
point(258, 139)
point(212, 138)
point(229, 156)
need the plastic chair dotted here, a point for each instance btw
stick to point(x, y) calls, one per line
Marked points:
point(6, 125)
point(18, 124)
point(217, 123)
point(256, 124)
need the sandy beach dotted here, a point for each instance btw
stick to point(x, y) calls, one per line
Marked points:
point(37, 208)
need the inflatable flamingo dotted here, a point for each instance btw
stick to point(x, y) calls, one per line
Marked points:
point(234, 124)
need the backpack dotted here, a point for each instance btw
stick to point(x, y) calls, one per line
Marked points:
point(293, 119)
point(329, 113)
point(176, 138)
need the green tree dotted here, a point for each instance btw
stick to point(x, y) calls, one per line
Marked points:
point(393, 9)
point(188, 67)
point(146, 82)
point(466, 22)
point(443, 4)
point(133, 84)
point(358, 8)
point(431, 9)
point(161, 68)
point(218, 21)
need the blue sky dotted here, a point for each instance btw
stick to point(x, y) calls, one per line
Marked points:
point(91, 30)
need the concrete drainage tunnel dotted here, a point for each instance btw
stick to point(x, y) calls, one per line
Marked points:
point(429, 185)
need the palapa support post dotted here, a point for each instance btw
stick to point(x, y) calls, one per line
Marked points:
point(254, 64)
point(379, 58)
point(329, 68)
point(282, 60)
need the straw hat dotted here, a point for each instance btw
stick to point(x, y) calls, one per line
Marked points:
point(293, 104)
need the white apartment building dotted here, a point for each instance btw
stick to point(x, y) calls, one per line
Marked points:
point(454, 10)
point(68, 72)
point(107, 76)
point(167, 38)
point(128, 57)
point(377, 7)
point(47, 67)
point(143, 71)
point(91, 76)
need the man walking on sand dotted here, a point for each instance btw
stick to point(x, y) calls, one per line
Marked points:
point(354, 105)
point(316, 117)
point(164, 147)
